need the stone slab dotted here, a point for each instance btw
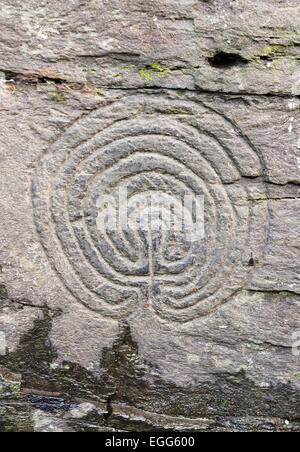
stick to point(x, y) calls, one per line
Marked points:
point(141, 331)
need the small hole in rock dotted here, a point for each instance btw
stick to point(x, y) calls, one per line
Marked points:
point(225, 60)
point(251, 262)
point(266, 58)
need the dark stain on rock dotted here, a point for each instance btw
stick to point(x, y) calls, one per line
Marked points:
point(3, 291)
point(34, 353)
point(31, 79)
point(47, 403)
point(33, 360)
point(129, 380)
point(3, 294)
point(122, 365)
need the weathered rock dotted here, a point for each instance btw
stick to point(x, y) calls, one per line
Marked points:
point(143, 329)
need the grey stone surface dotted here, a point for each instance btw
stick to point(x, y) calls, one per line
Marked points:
point(142, 331)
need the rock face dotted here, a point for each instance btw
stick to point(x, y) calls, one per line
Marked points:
point(127, 322)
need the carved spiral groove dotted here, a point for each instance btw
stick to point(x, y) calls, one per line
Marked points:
point(149, 145)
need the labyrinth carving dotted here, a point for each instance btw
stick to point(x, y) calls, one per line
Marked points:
point(143, 145)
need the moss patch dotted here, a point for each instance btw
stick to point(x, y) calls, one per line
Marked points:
point(15, 419)
point(153, 70)
point(57, 96)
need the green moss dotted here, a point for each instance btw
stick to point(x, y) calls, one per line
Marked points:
point(89, 70)
point(273, 50)
point(154, 69)
point(263, 197)
point(15, 420)
point(158, 68)
point(127, 68)
point(57, 96)
point(14, 387)
point(98, 92)
point(145, 74)
point(10, 387)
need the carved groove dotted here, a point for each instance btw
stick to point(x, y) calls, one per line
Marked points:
point(149, 144)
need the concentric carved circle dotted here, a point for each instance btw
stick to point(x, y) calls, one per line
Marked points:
point(150, 144)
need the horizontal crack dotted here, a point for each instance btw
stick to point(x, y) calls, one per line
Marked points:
point(201, 91)
point(270, 344)
point(276, 292)
point(282, 198)
point(245, 93)
point(31, 79)
point(290, 183)
point(26, 303)
point(168, 421)
point(35, 78)
point(116, 55)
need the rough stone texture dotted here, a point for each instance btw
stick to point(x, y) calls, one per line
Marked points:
point(165, 95)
